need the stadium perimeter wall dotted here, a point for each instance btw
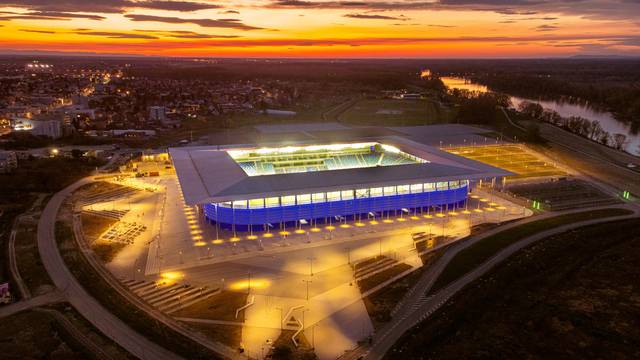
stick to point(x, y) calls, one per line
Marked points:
point(243, 218)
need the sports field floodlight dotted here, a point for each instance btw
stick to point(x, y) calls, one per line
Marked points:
point(625, 195)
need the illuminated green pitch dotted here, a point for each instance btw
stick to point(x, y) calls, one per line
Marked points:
point(296, 159)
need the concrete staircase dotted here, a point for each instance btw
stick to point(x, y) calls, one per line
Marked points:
point(169, 298)
point(371, 268)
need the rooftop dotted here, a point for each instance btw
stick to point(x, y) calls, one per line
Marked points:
point(240, 172)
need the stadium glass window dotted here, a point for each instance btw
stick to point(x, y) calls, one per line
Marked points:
point(389, 190)
point(333, 196)
point(429, 187)
point(362, 193)
point(272, 202)
point(442, 185)
point(288, 200)
point(403, 189)
point(319, 197)
point(303, 199)
point(347, 194)
point(374, 192)
point(416, 188)
point(225, 204)
point(454, 184)
point(256, 203)
point(240, 204)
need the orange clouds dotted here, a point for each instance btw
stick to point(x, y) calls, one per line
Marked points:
point(293, 28)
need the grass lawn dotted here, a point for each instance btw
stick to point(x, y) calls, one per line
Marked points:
point(8, 212)
point(30, 266)
point(380, 303)
point(221, 306)
point(474, 255)
point(379, 278)
point(392, 112)
point(93, 226)
point(230, 335)
point(573, 295)
point(34, 335)
point(283, 348)
point(107, 251)
point(84, 326)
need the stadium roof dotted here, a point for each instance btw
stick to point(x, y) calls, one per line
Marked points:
point(208, 174)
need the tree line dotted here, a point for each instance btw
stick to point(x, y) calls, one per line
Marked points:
point(590, 129)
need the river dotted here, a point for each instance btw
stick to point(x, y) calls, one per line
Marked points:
point(606, 119)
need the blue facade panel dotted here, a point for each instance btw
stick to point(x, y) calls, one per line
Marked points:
point(285, 214)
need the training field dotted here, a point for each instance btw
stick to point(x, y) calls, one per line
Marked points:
point(513, 158)
point(564, 195)
point(390, 112)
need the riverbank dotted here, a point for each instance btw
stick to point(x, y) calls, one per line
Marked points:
point(565, 109)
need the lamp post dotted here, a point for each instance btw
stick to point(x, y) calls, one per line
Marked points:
point(311, 259)
point(348, 255)
point(307, 282)
point(303, 311)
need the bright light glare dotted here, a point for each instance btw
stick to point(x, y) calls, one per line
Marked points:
point(254, 283)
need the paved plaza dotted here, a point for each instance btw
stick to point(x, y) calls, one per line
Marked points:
point(304, 276)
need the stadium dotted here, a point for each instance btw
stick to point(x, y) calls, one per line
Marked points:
point(259, 188)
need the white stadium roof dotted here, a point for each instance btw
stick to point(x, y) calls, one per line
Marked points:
point(208, 174)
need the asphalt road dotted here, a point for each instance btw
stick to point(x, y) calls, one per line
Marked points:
point(48, 298)
point(75, 294)
point(416, 306)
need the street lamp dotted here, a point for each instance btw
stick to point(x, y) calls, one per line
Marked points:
point(311, 259)
point(307, 282)
point(303, 311)
point(348, 255)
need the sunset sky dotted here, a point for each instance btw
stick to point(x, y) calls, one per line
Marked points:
point(327, 29)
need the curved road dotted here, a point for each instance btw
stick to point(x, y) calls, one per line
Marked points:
point(84, 303)
point(418, 306)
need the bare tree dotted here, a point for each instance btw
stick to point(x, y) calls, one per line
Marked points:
point(619, 141)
